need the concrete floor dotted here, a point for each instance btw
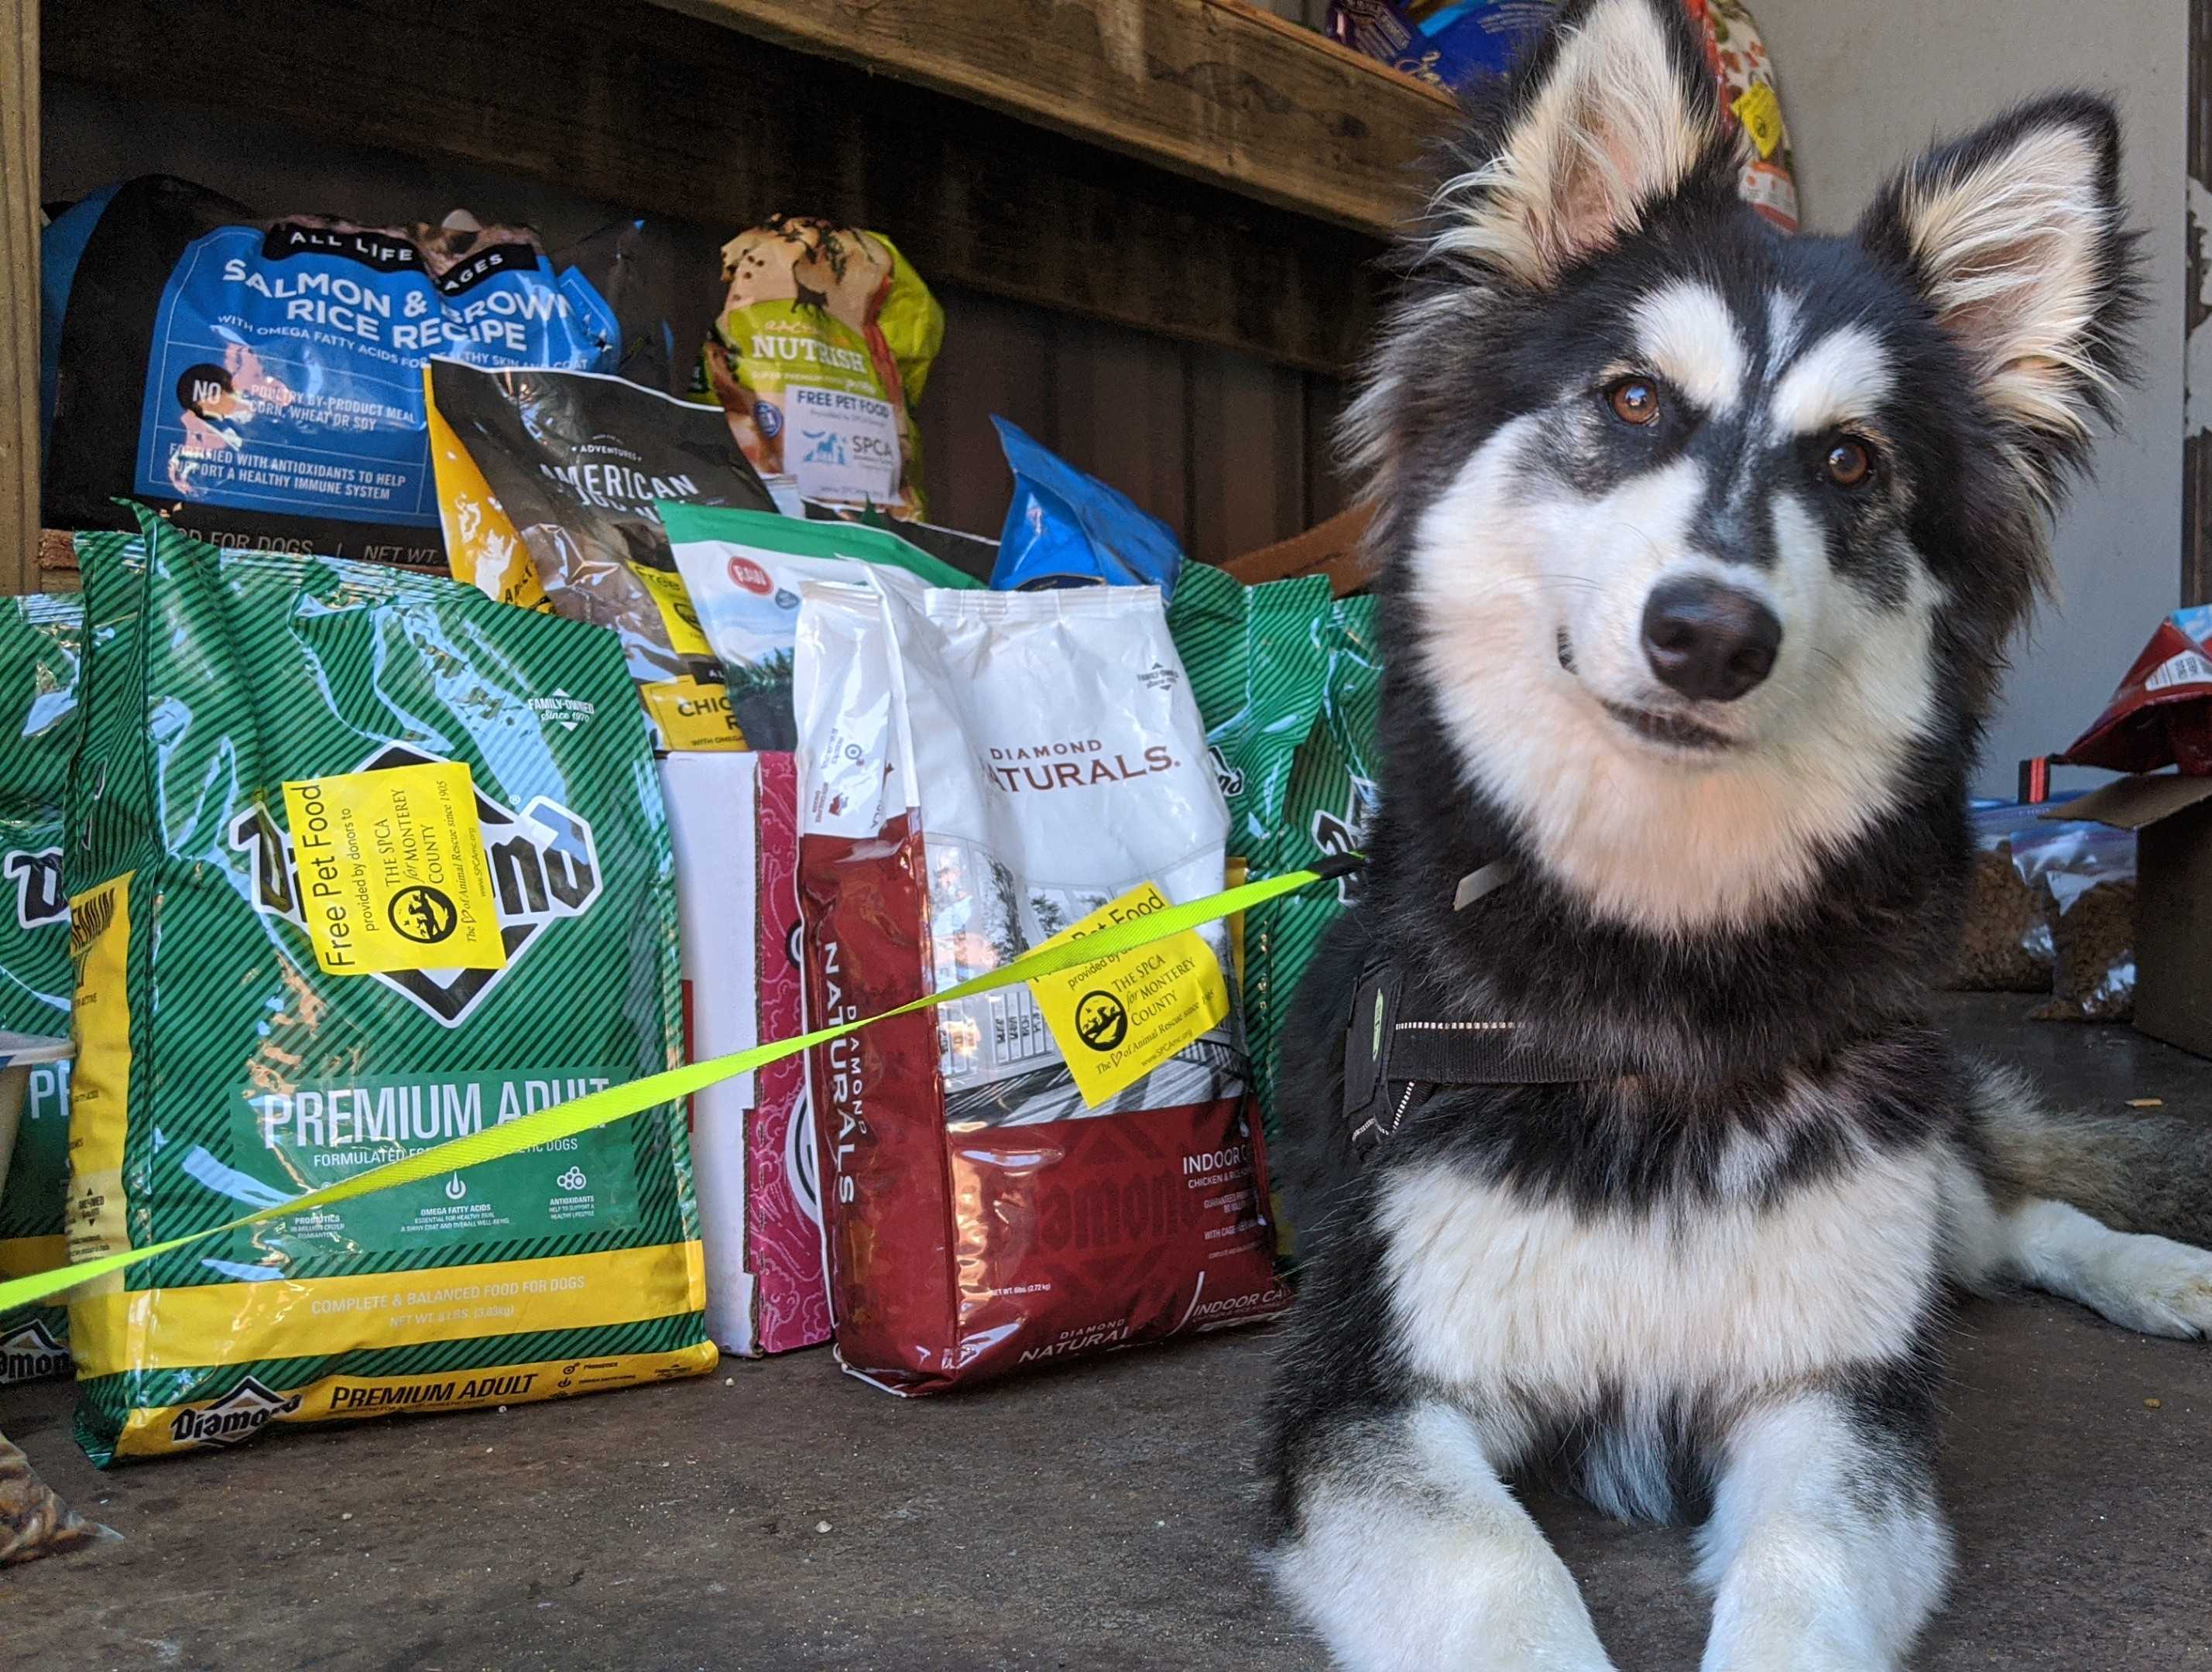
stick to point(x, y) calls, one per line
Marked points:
point(778, 1516)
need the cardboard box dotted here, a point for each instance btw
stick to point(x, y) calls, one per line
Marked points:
point(1333, 548)
point(733, 819)
point(2171, 817)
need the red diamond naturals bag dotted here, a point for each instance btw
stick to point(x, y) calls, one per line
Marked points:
point(980, 772)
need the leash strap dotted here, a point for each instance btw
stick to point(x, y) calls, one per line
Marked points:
point(604, 1108)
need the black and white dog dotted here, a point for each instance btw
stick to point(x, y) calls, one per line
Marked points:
point(1700, 548)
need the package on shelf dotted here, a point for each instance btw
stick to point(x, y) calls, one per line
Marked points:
point(818, 358)
point(743, 570)
point(547, 481)
point(259, 380)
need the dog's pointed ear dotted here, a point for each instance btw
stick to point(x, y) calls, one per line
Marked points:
point(2015, 238)
point(1613, 110)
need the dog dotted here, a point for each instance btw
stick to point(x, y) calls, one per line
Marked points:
point(1698, 550)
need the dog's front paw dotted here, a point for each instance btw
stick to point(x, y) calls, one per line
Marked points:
point(2153, 1284)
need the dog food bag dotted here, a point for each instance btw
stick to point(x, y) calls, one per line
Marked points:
point(260, 381)
point(546, 483)
point(360, 861)
point(2161, 715)
point(978, 774)
point(1258, 670)
point(973, 554)
point(818, 357)
point(1326, 808)
point(1739, 57)
point(744, 570)
point(2004, 936)
point(1065, 528)
point(40, 643)
point(2086, 874)
point(734, 819)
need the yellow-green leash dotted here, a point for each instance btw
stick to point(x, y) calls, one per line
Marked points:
point(583, 1114)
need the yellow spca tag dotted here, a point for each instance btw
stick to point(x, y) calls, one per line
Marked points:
point(1117, 1019)
point(1761, 112)
point(391, 870)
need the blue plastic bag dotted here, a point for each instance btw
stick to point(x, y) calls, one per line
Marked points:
point(1067, 528)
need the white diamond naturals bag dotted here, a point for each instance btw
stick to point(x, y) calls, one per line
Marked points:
point(360, 861)
point(1027, 1175)
point(39, 643)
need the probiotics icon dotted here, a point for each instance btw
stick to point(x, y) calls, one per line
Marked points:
point(573, 1180)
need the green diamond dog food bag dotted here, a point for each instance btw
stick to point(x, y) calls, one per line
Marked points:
point(360, 861)
point(1326, 808)
point(1287, 681)
point(39, 648)
point(1046, 1171)
point(1257, 670)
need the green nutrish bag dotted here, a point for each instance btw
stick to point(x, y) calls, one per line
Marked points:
point(38, 644)
point(360, 861)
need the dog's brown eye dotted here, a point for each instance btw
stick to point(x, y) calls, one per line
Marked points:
point(1634, 400)
point(1849, 462)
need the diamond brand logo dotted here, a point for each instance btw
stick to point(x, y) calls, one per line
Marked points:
point(543, 868)
point(38, 879)
point(1231, 779)
point(1336, 834)
point(240, 1414)
point(30, 1351)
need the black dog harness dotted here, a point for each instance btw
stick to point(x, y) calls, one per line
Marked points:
point(1394, 1060)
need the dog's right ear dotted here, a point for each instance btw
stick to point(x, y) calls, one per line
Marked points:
point(1613, 111)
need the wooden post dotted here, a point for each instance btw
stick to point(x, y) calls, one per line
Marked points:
point(2197, 323)
point(19, 295)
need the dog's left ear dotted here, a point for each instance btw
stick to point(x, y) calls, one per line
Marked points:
point(2015, 238)
point(1614, 111)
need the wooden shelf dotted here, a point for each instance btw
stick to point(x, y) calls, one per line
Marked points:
point(1196, 169)
point(1214, 89)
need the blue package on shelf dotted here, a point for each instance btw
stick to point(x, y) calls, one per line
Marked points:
point(1067, 528)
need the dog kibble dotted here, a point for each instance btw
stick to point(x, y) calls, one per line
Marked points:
point(2153, 1404)
point(2004, 942)
point(2094, 940)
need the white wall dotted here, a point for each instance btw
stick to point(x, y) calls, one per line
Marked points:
point(1865, 81)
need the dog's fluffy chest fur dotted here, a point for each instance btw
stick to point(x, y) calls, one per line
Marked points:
point(1516, 1301)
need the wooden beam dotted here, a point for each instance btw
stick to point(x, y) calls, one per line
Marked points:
point(1214, 89)
point(659, 113)
point(2196, 322)
point(19, 295)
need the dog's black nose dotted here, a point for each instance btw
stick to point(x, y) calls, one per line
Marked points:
point(1710, 641)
